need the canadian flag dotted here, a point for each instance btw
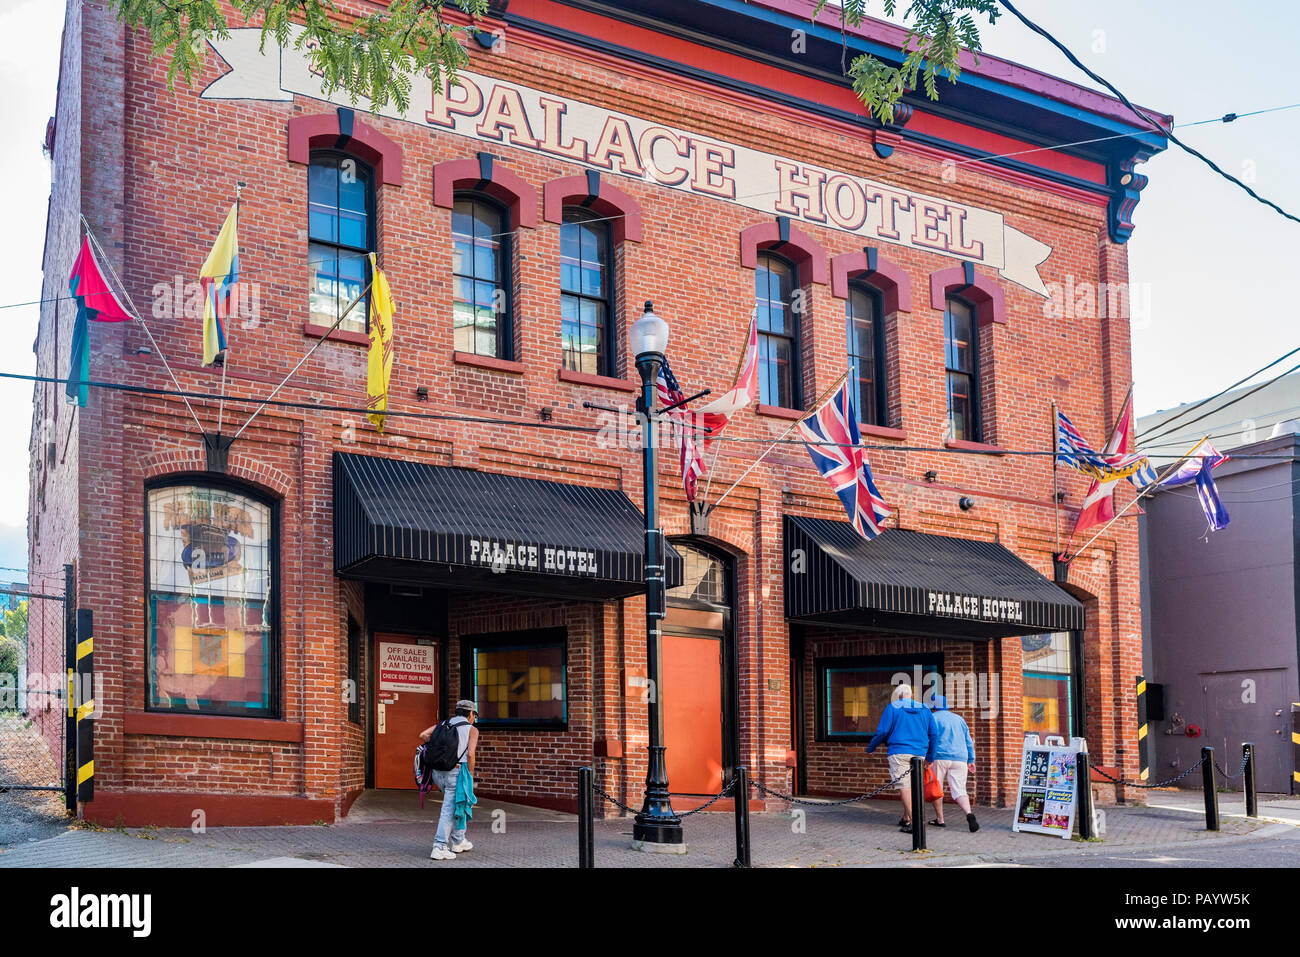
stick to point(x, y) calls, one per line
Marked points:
point(718, 413)
point(1098, 508)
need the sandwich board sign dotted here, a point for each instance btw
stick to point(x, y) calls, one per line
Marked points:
point(1047, 797)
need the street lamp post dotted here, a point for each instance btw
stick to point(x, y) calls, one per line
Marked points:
point(656, 828)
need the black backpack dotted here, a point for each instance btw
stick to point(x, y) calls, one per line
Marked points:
point(440, 753)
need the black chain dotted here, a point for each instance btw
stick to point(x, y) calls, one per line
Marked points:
point(611, 799)
point(1138, 784)
point(861, 797)
point(717, 797)
point(1228, 777)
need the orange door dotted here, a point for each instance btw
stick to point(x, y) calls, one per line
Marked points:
point(406, 702)
point(692, 709)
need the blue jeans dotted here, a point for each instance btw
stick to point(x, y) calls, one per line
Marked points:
point(446, 781)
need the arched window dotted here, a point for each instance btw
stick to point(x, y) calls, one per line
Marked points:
point(962, 362)
point(704, 577)
point(212, 630)
point(585, 281)
point(481, 271)
point(775, 282)
point(340, 229)
point(866, 349)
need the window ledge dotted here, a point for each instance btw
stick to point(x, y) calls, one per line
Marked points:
point(882, 431)
point(599, 381)
point(488, 362)
point(314, 331)
point(211, 726)
point(779, 412)
point(974, 447)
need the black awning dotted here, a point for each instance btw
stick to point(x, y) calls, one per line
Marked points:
point(915, 583)
point(439, 525)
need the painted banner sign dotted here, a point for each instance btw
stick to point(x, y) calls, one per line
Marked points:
point(496, 111)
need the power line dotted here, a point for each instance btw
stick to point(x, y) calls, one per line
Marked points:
point(1196, 405)
point(552, 426)
point(1220, 408)
point(1142, 116)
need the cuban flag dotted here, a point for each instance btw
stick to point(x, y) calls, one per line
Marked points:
point(843, 462)
point(1198, 468)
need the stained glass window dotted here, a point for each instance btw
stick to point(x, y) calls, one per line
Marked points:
point(1048, 689)
point(854, 692)
point(211, 634)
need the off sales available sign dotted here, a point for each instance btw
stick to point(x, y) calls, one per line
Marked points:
point(495, 111)
point(404, 667)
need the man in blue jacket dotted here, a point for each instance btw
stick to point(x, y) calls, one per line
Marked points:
point(953, 756)
point(910, 732)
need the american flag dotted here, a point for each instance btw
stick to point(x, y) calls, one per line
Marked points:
point(844, 464)
point(692, 461)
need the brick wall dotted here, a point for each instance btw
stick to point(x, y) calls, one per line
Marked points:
point(154, 172)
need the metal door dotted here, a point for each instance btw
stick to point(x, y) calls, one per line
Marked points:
point(1249, 706)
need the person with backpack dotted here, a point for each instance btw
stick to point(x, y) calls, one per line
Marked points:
point(910, 732)
point(954, 756)
point(448, 754)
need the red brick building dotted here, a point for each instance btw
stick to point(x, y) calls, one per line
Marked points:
point(274, 623)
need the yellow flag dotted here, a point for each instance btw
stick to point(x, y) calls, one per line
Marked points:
point(380, 366)
point(219, 278)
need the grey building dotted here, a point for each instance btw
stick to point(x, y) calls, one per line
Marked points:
point(1235, 418)
point(1219, 617)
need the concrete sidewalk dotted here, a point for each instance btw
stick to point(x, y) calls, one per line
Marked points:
point(505, 835)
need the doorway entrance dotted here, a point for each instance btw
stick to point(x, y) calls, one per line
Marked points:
point(699, 674)
point(406, 696)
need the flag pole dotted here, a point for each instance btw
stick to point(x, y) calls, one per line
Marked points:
point(740, 365)
point(90, 234)
point(221, 402)
point(1056, 492)
point(1141, 495)
point(815, 406)
point(329, 332)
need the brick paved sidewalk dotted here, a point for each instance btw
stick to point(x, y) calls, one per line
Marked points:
point(857, 835)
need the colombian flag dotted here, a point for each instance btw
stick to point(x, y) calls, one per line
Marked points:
point(96, 302)
point(380, 365)
point(220, 278)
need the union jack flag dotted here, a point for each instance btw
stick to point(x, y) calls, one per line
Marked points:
point(844, 463)
point(692, 462)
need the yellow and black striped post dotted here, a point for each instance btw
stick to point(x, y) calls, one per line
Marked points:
point(1295, 747)
point(1144, 738)
point(85, 705)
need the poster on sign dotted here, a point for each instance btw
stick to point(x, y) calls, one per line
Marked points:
point(1046, 799)
point(404, 667)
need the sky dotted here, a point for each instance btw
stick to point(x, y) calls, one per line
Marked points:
point(1208, 262)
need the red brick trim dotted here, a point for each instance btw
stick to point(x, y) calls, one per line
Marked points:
point(599, 381)
point(975, 446)
point(176, 809)
point(343, 131)
point(608, 748)
point(211, 726)
point(349, 799)
point(601, 197)
point(782, 237)
point(257, 473)
point(871, 269)
point(569, 805)
point(881, 431)
point(981, 292)
point(486, 175)
point(313, 331)
point(488, 362)
point(779, 412)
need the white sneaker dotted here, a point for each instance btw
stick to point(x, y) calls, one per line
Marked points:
point(462, 846)
point(440, 853)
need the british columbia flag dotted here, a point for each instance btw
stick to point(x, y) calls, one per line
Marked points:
point(832, 438)
point(692, 461)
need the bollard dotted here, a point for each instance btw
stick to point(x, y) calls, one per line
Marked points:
point(741, 796)
point(1083, 790)
point(586, 824)
point(1211, 791)
point(1248, 780)
point(918, 804)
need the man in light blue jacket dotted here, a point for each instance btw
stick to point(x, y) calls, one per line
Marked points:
point(953, 756)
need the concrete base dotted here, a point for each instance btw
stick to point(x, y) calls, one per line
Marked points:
point(653, 847)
